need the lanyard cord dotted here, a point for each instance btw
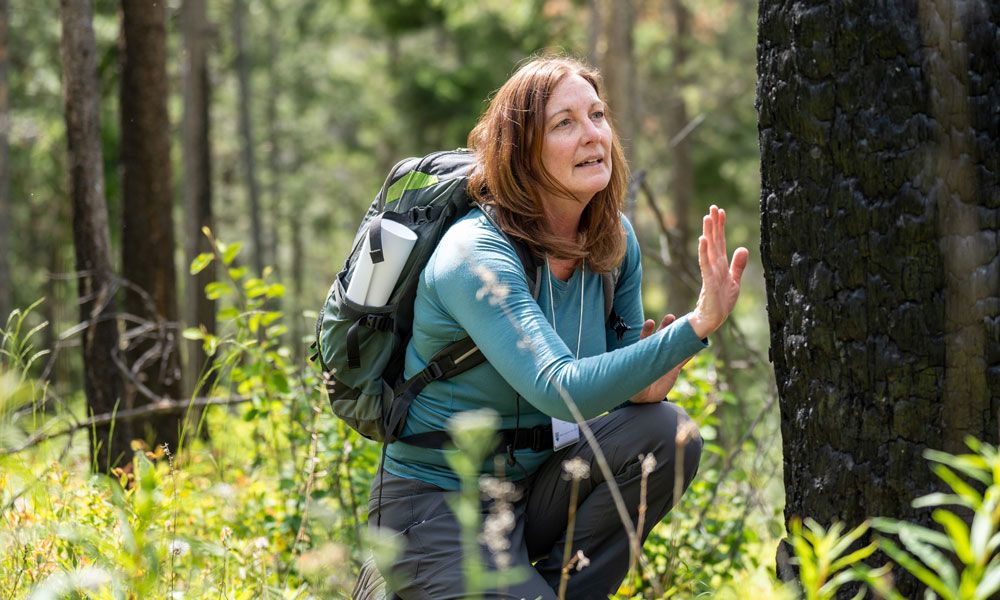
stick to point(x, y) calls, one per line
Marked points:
point(552, 306)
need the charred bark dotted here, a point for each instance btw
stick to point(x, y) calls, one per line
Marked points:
point(91, 239)
point(880, 209)
point(148, 235)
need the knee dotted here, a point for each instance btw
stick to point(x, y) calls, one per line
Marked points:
point(680, 442)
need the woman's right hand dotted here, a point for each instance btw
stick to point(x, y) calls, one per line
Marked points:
point(720, 280)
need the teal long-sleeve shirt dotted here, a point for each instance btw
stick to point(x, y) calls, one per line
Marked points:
point(474, 285)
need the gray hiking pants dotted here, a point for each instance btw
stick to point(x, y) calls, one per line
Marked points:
point(430, 567)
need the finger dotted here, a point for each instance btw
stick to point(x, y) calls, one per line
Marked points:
point(722, 232)
point(706, 265)
point(709, 235)
point(647, 329)
point(667, 320)
point(740, 259)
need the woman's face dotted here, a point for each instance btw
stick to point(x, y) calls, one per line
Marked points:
point(576, 142)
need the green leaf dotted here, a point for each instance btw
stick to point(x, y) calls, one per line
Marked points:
point(217, 289)
point(230, 253)
point(970, 464)
point(255, 287)
point(982, 529)
point(960, 487)
point(276, 331)
point(957, 532)
point(228, 313)
point(201, 261)
point(270, 317)
point(990, 582)
point(845, 542)
point(279, 382)
point(275, 290)
point(934, 559)
point(237, 272)
point(254, 322)
point(193, 333)
point(940, 499)
point(853, 557)
point(916, 569)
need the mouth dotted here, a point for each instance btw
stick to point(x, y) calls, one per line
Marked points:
point(591, 162)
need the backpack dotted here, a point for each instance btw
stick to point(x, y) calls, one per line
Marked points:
point(361, 348)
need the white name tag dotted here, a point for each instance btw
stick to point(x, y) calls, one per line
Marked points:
point(564, 433)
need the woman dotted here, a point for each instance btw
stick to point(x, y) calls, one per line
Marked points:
point(550, 165)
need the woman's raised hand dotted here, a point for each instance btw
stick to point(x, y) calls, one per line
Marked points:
point(720, 280)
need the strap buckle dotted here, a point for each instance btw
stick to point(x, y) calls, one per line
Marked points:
point(419, 215)
point(539, 436)
point(431, 372)
point(378, 322)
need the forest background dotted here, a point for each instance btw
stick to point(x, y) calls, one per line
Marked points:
point(310, 103)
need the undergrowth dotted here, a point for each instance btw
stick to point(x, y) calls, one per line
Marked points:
point(272, 501)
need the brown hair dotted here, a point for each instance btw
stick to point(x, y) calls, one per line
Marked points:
point(509, 173)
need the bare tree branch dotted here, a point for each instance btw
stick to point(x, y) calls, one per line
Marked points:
point(160, 407)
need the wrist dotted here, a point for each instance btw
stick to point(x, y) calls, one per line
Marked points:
point(699, 324)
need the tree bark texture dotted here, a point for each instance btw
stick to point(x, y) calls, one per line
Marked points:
point(91, 239)
point(246, 136)
point(880, 210)
point(147, 199)
point(199, 310)
point(6, 294)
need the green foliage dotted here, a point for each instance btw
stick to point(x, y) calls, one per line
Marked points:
point(930, 555)
point(825, 563)
point(713, 540)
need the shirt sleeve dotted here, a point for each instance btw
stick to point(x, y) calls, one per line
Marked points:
point(479, 281)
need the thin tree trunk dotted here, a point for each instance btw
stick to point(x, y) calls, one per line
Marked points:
point(148, 235)
point(614, 58)
point(295, 234)
point(681, 294)
point(246, 136)
point(91, 240)
point(200, 311)
point(880, 205)
point(6, 295)
point(274, 153)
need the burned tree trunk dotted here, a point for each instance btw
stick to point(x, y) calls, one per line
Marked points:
point(91, 240)
point(880, 209)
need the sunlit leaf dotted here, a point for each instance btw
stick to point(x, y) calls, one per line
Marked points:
point(230, 253)
point(201, 261)
point(217, 289)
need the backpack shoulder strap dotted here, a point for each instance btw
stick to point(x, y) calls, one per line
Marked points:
point(532, 268)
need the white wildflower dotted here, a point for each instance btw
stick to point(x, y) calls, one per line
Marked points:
point(179, 548)
point(576, 468)
point(648, 463)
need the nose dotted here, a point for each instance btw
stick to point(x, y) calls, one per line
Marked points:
point(591, 133)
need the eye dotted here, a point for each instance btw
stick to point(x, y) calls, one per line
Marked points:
point(598, 115)
point(562, 123)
